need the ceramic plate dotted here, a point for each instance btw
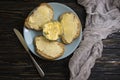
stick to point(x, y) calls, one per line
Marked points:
point(58, 10)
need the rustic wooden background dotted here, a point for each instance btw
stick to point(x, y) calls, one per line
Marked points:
point(15, 63)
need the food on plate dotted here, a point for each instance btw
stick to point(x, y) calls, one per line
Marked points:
point(52, 30)
point(39, 16)
point(48, 49)
point(54, 35)
point(71, 27)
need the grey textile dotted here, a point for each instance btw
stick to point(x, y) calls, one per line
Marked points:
point(103, 18)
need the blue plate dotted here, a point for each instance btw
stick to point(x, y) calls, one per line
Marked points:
point(58, 10)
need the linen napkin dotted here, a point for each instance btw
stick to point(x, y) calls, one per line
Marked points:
point(103, 18)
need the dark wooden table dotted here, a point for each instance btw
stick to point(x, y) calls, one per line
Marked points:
point(15, 63)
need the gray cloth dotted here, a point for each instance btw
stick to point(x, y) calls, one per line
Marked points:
point(103, 18)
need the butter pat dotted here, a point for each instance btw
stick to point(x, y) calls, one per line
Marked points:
point(52, 30)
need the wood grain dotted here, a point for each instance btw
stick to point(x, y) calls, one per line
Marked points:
point(15, 63)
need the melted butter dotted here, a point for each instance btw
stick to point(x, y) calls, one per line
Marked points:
point(52, 30)
point(40, 16)
point(50, 48)
point(69, 24)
